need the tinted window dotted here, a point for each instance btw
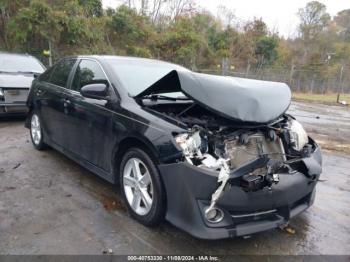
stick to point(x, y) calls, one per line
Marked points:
point(46, 75)
point(88, 72)
point(61, 72)
point(19, 63)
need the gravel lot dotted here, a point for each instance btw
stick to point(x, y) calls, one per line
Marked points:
point(50, 205)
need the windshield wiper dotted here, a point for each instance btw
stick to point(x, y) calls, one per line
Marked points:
point(162, 97)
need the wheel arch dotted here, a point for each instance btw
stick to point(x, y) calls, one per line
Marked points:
point(127, 143)
point(29, 115)
point(31, 107)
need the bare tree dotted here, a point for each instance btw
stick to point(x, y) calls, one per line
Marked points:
point(141, 6)
point(226, 15)
point(144, 7)
point(155, 10)
point(3, 20)
point(161, 10)
point(128, 3)
point(180, 7)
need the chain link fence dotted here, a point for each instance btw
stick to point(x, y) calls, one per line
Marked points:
point(299, 80)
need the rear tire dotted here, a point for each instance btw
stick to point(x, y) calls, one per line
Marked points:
point(36, 133)
point(142, 188)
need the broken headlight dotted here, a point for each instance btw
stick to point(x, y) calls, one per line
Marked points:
point(298, 135)
point(192, 144)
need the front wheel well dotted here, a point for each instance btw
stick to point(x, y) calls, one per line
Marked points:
point(28, 116)
point(124, 146)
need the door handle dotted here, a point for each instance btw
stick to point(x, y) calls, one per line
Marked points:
point(66, 102)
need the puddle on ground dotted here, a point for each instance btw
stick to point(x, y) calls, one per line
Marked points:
point(112, 203)
point(104, 192)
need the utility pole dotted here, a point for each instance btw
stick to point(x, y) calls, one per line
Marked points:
point(248, 69)
point(291, 75)
point(340, 86)
point(224, 66)
point(50, 55)
point(328, 59)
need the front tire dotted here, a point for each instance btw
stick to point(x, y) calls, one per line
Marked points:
point(36, 133)
point(142, 188)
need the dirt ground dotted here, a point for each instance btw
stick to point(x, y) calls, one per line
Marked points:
point(50, 205)
point(329, 125)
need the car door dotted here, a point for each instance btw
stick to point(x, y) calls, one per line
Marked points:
point(51, 91)
point(90, 120)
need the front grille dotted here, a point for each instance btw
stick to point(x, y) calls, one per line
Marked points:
point(244, 217)
point(254, 214)
point(256, 145)
point(15, 95)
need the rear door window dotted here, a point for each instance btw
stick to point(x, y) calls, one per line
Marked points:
point(61, 72)
point(46, 75)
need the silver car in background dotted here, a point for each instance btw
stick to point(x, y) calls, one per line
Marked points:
point(17, 72)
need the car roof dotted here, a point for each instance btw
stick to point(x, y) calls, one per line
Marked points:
point(124, 59)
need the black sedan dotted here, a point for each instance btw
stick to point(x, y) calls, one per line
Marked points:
point(17, 72)
point(216, 156)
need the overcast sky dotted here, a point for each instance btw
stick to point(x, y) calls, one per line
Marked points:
point(278, 14)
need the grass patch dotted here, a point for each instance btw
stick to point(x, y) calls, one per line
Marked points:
point(322, 98)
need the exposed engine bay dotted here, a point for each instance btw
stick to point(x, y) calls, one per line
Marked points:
point(250, 156)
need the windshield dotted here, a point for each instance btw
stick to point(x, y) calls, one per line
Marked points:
point(137, 75)
point(19, 63)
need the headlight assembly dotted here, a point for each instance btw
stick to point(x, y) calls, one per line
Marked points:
point(298, 135)
point(1, 92)
point(190, 144)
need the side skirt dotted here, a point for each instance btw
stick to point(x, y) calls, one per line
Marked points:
point(84, 163)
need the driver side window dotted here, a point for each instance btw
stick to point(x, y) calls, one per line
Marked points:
point(88, 72)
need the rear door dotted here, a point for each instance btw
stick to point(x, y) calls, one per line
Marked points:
point(52, 93)
point(90, 120)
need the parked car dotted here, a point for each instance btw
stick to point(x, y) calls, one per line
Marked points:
point(216, 156)
point(17, 72)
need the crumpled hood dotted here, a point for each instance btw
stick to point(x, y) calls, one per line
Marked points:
point(235, 98)
point(16, 80)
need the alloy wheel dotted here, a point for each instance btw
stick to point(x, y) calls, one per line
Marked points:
point(35, 129)
point(138, 186)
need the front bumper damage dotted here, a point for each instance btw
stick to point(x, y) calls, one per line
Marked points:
point(189, 192)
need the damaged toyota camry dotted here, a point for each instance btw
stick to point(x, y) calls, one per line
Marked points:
point(216, 156)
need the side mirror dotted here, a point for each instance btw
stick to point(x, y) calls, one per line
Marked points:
point(95, 91)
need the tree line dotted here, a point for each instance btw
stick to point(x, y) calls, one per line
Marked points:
point(317, 59)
